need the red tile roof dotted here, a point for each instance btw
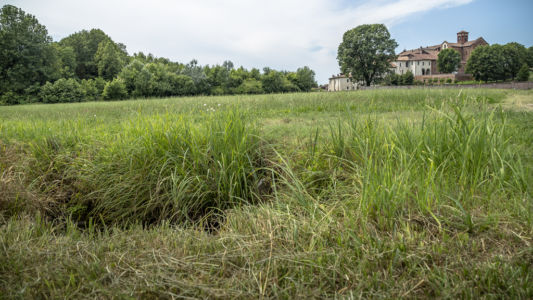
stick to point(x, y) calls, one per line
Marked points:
point(431, 52)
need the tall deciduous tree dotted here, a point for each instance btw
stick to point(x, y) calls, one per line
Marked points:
point(514, 56)
point(27, 58)
point(272, 82)
point(485, 63)
point(448, 60)
point(109, 59)
point(366, 52)
point(85, 44)
point(66, 59)
point(305, 79)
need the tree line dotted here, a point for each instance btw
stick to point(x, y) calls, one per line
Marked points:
point(88, 65)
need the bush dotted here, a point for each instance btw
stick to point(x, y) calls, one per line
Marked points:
point(115, 90)
point(91, 90)
point(11, 98)
point(408, 78)
point(182, 85)
point(392, 79)
point(523, 73)
point(250, 86)
point(448, 80)
point(63, 90)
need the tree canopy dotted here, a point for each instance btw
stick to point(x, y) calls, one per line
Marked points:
point(27, 58)
point(448, 60)
point(497, 62)
point(365, 52)
point(86, 44)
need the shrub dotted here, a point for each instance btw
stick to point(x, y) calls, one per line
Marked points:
point(63, 90)
point(523, 73)
point(408, 78)
point(250, 86)
point(448, 80)
point(90, 90)
point(11, 98)
point(115, 90)
point(392, 79)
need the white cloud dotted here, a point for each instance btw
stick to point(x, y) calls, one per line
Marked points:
point(282, 34)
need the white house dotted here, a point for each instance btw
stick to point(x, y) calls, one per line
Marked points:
point(341, 82)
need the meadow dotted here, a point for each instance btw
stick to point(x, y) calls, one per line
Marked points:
point(419, 193)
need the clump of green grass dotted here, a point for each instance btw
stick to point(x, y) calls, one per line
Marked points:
point(450, 160)
point(158, 168)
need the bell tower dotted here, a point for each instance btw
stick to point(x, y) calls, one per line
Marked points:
point(462, 37)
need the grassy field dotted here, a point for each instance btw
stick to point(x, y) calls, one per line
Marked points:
point(368, 194)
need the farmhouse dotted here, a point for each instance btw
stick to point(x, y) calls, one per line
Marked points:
point(341, 82)
point(422, 62)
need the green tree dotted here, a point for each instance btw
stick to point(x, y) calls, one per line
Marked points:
point(115, 90)
point(143, 82)
point(255, 73)
point(85, 44)
point(523, 73)
point(288, 86)
point(199, 77)
point(305, 79)
point(529, 57)
point(27, 59)
point(514, 56)
point(66, 61)
point(366, 52)
point(182, 85)
point(109, 59)
point(272, 82)
point(485, 63)
point(130, 72)
point(448, 60)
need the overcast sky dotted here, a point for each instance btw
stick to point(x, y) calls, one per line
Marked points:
point(282, 34)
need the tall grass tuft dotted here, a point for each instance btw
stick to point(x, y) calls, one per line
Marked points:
point(451, 159)
point(159, 168)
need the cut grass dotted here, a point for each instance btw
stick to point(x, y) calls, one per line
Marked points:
point(374, 194)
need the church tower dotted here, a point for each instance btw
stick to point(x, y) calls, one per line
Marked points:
point(462, 37)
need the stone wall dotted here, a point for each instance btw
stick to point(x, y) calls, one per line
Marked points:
point(456, 77)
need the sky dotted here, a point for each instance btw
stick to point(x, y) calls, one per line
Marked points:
point(281, 34)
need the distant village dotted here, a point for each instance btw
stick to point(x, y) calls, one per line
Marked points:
point(422, 63)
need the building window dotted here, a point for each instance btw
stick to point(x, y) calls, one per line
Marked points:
point(422, 63)
point(347, 80)
point(417, 63)
point(407, 64)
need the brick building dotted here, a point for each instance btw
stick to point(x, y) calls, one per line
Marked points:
point(422, 62)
